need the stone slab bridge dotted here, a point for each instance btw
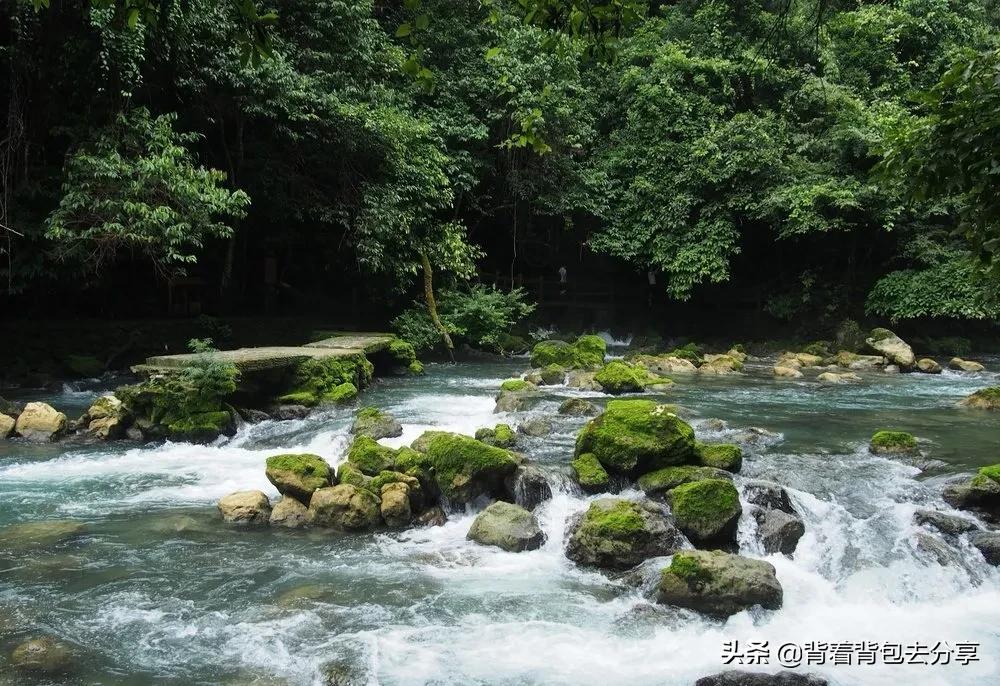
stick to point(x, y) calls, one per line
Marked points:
point(249, 360)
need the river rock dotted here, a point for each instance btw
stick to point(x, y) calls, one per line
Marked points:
point(893, 443)
point(245, 507)
point(856, 362)
point(708, 511)
point(106, 418)
point(945, 523)
point(590, 474)
point(40, 422)
point(984, 399)
point(892, 347)
point(42, 656)
point(769, 496)
point(507, 526)
point(344, 507)
point(988, 543)
point(779, 531)
point(289, 513)
point(375, 423)
point(981, 494)
point(432, 516)
point(741, 678)
point(528, 487)
point(933, 547)
point(656, 484)
point(720, 455)
point(298, 476)
point(664, 364)
point(727, 364)
point(535, 427)
point(7, 424)
point(633, 437)
point(928, 366)
point(501, 436)
point(396, 508)
point(614, 533)
point(718, 584)
point(578, 407)
point(513, 401)
point(552, 375)
point(582, 380)
point(618, 377)
point(465, 469)
point(287, 412)
point(784, 372)
point(371, 457)
point(833, 378)
point(960, 365)
point(43, 534)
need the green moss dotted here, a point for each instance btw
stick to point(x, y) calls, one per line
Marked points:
point(691, 352)
point(665, 479)
point(686, 567)
point(985, 399)
point(620, 377)
point(991, 472)
point(402, 353)
point(818, 348)
point(370, 457)
point(332, 379)
point(591, 476)
point(880, 334)
point(370, 413)
point(552, 352)
point(893, 442)
point(516, 385)
point(501, 436)
point(342, 393)
point(303, 464)
point(200, 426)
point(351, 475)
point(589, 352)
point(301, 398)
point(720, 455)
point(387, 477)
point(701, 501)
point(458, 460)
point(637, 436)
point(553, 374)
point(621, 521)
point(416, 368)
point(586, 353)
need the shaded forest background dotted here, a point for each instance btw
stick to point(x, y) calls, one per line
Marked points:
point(725, 166)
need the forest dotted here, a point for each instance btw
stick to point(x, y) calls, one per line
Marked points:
point(808, 161)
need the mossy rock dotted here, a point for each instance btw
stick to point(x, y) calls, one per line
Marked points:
point(370, 457)
point(327, 380)
point(615, 533)
point(465, 468)
point(345, 508)
point(632, 437)
point(416, 368)
point(546, 353)
point(586, 353)
point(707, 511)
point(718, 584)
point(893, 443)
point(501, 436)
point(376, 423)
point(578, 407)
point(201, 427)
point(591, 476)
point(514, 395)
point(984, 399)
point(348, 473)
point(86, 366)
point(298, 475)
point(617, 377)
point(552, 375)
point(721, 456)
point(589, 352)
point(662, 480)
point(402, 353)
point(42, 656)
point(517, 386)
point(692, 352)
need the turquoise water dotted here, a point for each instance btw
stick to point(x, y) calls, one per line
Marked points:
point(158, 590)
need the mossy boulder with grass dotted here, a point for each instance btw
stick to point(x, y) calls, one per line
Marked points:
point(514, 395)
point(662, 480)
point(720, 455)
point(589, 473)
point(893, 443)
point(632, 437)
point(984, 399)
point(370, 457)
point(718, 584)
point(465, 468)
point(614, 533)
point(617, 377)
point(327, 380)
point(298, 475)
point(376, 423)
point(552, 375)
point(501, 436)
point(586, 353)
point(707, 511)
point(404, 358)
point(981, 494)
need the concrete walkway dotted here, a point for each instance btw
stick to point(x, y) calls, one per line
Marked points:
point(338, 344)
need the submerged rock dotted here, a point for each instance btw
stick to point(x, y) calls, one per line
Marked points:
point(718, 583)
point(289, 513)
point(988, 543)
point(298, 476)
point(892, 347)
point(40, 422)
point(43, 534)
point(945, 523)
point(375, 423)
point(246, 507)
point(632, 437)
point(707, 511)
point(614, 533)
point(507, 526)
point(344, 507)
point(893, 443)
point(984, 399)
point(528, 487)
point(960, 365)
point(928, 366)
point(741, 678)
point(578, 407)
point(42, 656)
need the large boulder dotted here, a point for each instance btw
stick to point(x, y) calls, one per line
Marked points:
point(718, 583)
point(289, 513)
point(632, 437)
point(590, 473)
point(7, 424)
point(984, 399)
point(892, 347)
point(106, 418)
point(515, 395)
point(779, 531)
point(395, 506)
point(741, 678)
point(659, 482)
point(464, 468)
point(926, 365)
point(501, 436)
point(720, 455)
point(960, 365)
point(708, 512)
point(370, 457)
point(619, 534)
point(344, 507)
point(298, 476)
point(893, 443)
point(40, 422)
point(43, 656)
point(246, 507)
point(528, 487)
point(507, 526)
point(981, 494)
point(375, 423)
point(988, 543)
point(617, 377)
point(586, 353)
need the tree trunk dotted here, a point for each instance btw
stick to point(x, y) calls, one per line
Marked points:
point(432, 305)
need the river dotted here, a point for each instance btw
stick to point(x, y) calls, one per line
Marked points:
point(160, 591)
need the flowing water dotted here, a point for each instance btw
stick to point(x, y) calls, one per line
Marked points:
point(159, 591)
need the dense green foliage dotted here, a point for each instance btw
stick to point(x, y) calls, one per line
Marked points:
point(372, 146)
